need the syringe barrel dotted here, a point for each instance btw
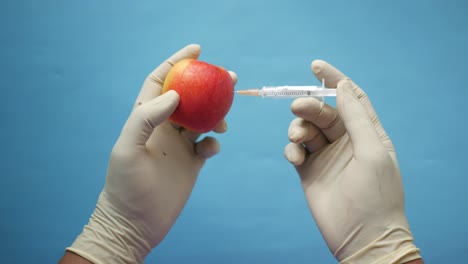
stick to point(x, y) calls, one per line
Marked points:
point(296, 91)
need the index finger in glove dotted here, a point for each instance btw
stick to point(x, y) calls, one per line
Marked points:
point(321, 115)
point(332, 77)
point(155, 80)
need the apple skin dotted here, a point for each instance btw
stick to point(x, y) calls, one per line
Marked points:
point(206, 94)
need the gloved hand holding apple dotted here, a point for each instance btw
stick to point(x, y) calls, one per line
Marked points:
point(154, 166)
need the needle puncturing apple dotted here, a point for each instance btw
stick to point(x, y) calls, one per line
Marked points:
point(206, 93)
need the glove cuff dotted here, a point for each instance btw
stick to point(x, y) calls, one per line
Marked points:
point(110, 238)
point(392, 247)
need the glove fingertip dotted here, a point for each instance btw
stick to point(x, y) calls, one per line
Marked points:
point(317, 66)
point(208, 147)
point(221, 127)
point(294, 153)
point(195, 49)
point(172, 94)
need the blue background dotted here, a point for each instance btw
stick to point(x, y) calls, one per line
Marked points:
point(70, 71)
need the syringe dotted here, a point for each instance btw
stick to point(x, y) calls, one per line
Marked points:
point(291, 91)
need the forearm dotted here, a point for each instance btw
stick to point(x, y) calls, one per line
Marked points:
point(72, 258)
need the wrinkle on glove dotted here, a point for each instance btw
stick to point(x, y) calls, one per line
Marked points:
point(107, 238)
point(393, 246)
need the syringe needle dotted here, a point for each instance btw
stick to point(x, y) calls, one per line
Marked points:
point(250, 92)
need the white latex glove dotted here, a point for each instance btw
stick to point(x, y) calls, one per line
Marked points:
point(152, 170)
point(350, 175)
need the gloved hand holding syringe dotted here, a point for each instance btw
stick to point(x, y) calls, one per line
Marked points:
point(287, 91)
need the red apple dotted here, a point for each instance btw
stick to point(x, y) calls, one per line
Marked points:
point(206, 93)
